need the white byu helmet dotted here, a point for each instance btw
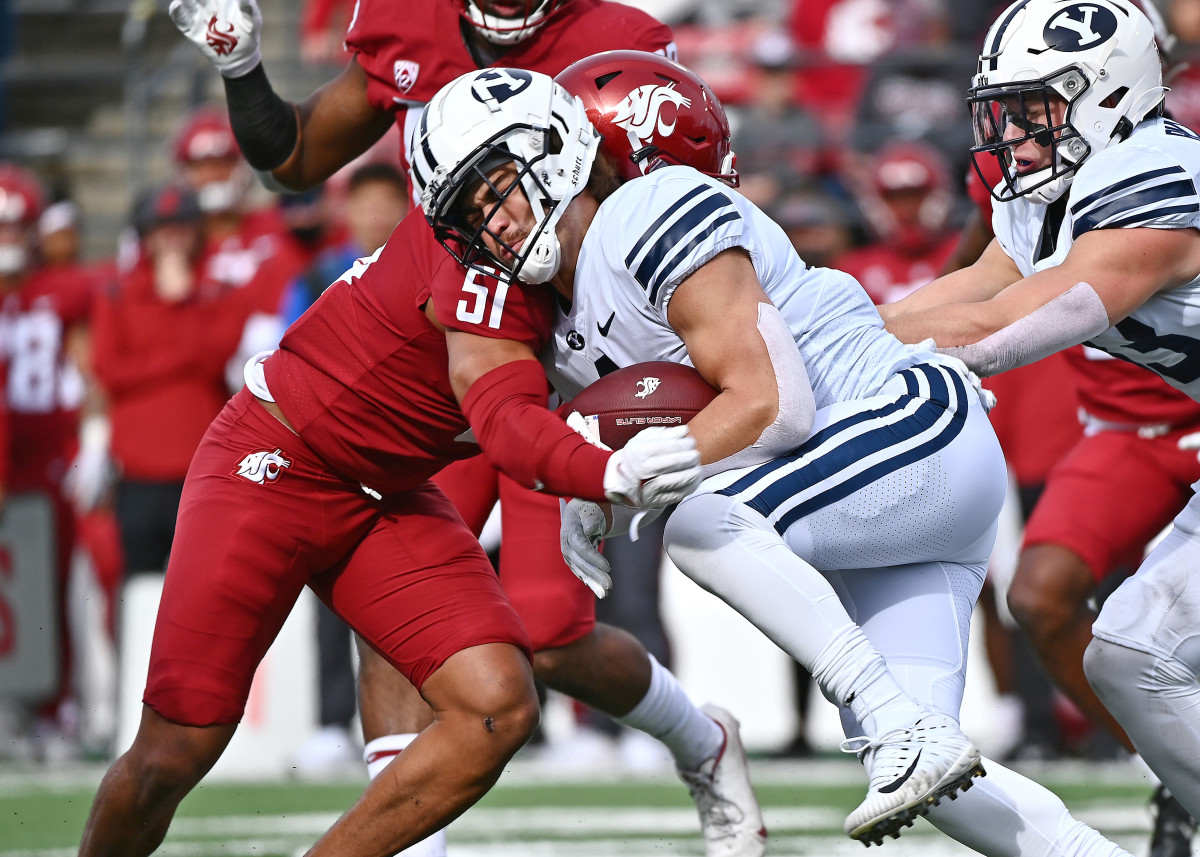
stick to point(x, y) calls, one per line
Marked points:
point(488, 118)
point(1097, 55)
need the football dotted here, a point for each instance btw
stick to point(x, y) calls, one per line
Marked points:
point(622, 403)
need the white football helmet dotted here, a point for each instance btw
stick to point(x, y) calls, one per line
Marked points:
point(509, 31)
point(1098, 56)
point(485, 119)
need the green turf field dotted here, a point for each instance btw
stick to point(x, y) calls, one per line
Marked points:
point(536, 812)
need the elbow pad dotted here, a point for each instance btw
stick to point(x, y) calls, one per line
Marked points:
point(1073, 317)
point(797, 407)
point(506, 408)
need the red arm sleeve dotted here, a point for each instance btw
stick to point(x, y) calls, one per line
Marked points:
point(519, 435)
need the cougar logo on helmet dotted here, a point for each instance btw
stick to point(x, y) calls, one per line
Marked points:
point(1080, 28)
point(494, 87)
point(641, 111)
point(221, 41)
point(262, 467)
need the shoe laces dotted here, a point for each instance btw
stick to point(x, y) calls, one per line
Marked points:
point(716, 812)
point(900, 741)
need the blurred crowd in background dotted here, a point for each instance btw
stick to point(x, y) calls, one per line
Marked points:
point(850, 127)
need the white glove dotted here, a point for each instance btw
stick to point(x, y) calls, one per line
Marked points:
point(657, 467)
point(90, 473)
point(986, 397)
point(583, 526)
point(226, 31)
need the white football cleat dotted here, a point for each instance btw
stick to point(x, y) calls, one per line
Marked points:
point(911, 770)
point(730, 817)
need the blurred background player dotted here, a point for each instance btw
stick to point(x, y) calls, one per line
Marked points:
point(162, 336)
point(43, 316)
point(908, 205)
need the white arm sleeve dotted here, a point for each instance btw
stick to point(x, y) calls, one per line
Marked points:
point(1073, 317)
point(797, 407)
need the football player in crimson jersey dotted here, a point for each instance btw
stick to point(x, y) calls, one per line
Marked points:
point(43, 316)
point(317, 473)
point(676, 265)
point(1095, 242)
point(402, 54)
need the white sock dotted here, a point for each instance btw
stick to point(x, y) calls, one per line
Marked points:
point(854, 674)
point(378, 754)
point(1007, 815)
point(666, 713)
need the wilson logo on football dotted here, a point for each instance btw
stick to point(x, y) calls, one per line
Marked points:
point(646, 386)
point(641, 112)
point(262, 467)
point(221, 41)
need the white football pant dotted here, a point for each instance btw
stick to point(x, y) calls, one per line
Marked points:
point(895, 498)
point(1145, 656)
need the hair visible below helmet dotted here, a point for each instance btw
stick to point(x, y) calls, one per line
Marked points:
point(651, 112)
point(1099, 56)
point(509, 31)
point(484, 120)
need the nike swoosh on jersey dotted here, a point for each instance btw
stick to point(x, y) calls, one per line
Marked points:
point(604, 328)
point(892, 786)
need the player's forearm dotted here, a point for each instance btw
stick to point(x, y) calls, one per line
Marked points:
point(267, 128)
point(522, 437)
point(949, 324)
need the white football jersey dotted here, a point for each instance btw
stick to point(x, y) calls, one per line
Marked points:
point(653, 233)
point(1148, 180)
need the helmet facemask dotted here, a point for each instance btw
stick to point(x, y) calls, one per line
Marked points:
point(464, 231)
point(1098, 56)
point(508, 31)
point(1029, 106)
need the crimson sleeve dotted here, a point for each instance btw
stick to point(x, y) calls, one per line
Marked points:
point(506, 408)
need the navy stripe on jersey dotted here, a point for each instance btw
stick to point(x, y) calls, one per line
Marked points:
point(837, 461)
point(1088, 200)
point(685, 251)
point(656, 225)
point(1153, 202)
point(698, 219)
point(1142, 218)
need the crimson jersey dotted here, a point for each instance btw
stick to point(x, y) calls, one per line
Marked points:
point(411, 50)
point(44, 388)
point(365, 382)
point(889, 274)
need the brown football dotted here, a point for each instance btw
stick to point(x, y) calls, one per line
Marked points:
point(658, 393)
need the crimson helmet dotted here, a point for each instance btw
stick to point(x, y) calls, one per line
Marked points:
point(504, 30)
point(205, 134)
point(652, 112)
point(908, 167)
point(21, 199)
